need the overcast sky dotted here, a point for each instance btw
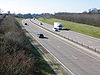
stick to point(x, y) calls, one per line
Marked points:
point(48, 6)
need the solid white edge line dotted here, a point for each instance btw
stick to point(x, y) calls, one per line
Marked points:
point(55, 57)
point(85, 49)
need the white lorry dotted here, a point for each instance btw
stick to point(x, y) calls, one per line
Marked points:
point(57, 26)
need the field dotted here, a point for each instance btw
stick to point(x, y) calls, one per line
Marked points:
point(77, 27)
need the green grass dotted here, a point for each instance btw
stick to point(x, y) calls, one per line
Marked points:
point(42, 64)
point(19, 19)
point(77, 27)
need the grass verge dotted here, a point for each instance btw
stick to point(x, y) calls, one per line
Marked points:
point(77, 27)
point(19, 19)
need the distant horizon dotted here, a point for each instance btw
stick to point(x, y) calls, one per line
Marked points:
point(48, 12)
point(42, 12)
point(39, 13)
point(45, 6)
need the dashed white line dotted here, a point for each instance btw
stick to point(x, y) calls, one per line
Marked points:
point(85, 49)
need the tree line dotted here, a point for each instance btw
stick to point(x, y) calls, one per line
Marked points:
point(90, 17)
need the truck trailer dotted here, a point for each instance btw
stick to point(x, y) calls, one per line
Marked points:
point(57, 25)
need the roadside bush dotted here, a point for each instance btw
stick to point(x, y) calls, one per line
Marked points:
point(17, 64)
point(16, 57)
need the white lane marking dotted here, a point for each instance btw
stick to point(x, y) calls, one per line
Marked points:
point(74, 57)
point(55, 57)
point(59, 46)
point(85, 49)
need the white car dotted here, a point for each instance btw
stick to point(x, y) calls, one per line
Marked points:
point(55, 29)
point(40, 23)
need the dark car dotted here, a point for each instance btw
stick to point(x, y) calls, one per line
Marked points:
point(40, 35)
point(25, 23)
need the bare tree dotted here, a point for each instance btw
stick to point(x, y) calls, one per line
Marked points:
point(1, 11)
point(93, 11)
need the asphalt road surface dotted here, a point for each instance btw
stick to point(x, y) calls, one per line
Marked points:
point(75, 59)
point(93, 43)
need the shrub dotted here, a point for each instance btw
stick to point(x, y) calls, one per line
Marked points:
point(16, 57)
